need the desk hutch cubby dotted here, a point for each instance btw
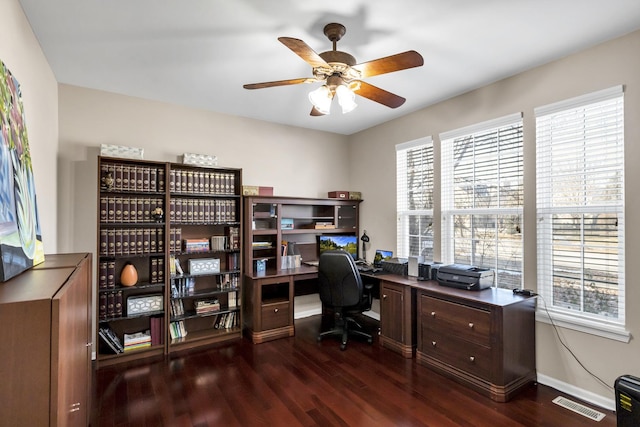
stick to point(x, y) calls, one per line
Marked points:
point(276, 229)
point(180, 228)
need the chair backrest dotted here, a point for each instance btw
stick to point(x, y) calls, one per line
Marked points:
point(339, 279)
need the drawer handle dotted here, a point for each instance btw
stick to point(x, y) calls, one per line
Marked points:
point(275, 310)
point(433, 343)
point(472, 359)
point(384, 296)
point(433, 314)
point(471, 325)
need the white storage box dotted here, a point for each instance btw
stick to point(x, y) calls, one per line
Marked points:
point(145, 304)
point(204, 266)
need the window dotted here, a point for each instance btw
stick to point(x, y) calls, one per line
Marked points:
point(580, 207)
point(482, 198)
point(414, 168)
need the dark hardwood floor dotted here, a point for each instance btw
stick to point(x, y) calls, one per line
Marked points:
point(300, 382)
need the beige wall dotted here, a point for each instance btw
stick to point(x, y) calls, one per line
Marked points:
point(613, 63)
point(21, 53)
point(296, 162)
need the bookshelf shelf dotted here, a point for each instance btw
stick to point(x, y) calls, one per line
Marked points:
point(146, 212)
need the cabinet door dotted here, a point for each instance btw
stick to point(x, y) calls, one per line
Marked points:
point(70, 357)
point(391, 313)
point(347, 217)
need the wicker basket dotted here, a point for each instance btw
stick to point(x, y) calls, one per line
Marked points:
point(396, 266)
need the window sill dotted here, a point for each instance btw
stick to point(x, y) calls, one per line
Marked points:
point(612, 332)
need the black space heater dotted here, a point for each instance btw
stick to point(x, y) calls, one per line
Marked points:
point(628, 401)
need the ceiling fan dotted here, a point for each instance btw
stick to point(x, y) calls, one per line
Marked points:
point(341, 74)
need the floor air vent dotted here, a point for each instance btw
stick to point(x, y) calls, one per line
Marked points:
point(578, 408)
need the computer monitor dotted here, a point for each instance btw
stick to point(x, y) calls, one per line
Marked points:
point(381, 255)
point(332, 242)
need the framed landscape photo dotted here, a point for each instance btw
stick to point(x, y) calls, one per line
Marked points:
point(20, 235)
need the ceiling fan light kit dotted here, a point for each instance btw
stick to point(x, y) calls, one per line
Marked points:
point(341, 75)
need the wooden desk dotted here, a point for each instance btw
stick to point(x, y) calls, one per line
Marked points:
point(268, 302)
point(483, 339)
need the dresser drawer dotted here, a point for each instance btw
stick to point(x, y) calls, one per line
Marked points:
point(454, 319)
point(275, 315)
point(469, 357)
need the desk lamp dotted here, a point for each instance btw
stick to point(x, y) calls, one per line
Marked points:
point(365, 240)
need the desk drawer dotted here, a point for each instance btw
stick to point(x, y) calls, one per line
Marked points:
point(458, 320)
point(276, 315)
point(471, 358)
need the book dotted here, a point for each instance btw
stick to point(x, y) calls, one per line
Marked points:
point(107, 343)
point(111, 339)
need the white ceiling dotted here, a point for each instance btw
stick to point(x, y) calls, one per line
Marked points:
point(199, 53)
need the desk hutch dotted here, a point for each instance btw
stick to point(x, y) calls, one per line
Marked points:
point(272, 226)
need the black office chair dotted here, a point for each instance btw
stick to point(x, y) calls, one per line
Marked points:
point(342, 291)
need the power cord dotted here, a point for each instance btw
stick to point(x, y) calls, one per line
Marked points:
point(555, 328)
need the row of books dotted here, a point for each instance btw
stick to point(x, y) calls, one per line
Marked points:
point(107, 277)
point(226, 320)
point(229, 241)
point(201, 182)
point(228, 281)
point(233, 300)
point(137, 340)
point(196, 245)
point(177, 308)
point(177, 329)
point(110, 341)
point(128, 209)
point(132, 177)
point(202, 211)
point(131, 241)
point(204, 306)
point(110, 305)
point(230, 320)
point(182, 286)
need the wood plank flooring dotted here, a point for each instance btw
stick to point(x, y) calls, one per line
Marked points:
point(300, 382)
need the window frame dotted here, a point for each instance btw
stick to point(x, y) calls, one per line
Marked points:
point(449, 211)
point(547, 207)
point(404, 213)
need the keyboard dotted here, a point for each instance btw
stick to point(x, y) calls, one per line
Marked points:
point(368, 269)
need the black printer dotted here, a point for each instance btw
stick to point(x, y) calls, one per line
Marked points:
point(464, 276)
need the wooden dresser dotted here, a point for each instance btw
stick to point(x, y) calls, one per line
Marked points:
point(46, 344)
point(483, 339)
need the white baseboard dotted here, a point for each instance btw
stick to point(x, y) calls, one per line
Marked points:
point(306, 306)
point(587, 396)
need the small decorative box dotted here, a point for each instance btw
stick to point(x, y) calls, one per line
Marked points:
point(338, 194)
point(144, 304)
point(204, 160)
point(204, 266)
point(255, 190)
point(121, 151)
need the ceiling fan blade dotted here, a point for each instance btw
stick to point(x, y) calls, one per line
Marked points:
point(381, 96)
point(303, 50)
point(279, 83)
point(315, 112)
point(389, 64)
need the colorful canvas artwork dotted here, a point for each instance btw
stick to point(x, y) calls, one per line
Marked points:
point(20, 235)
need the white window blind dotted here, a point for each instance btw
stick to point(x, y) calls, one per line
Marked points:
point(414, 169)
point(482, 197)
point(580, 207)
